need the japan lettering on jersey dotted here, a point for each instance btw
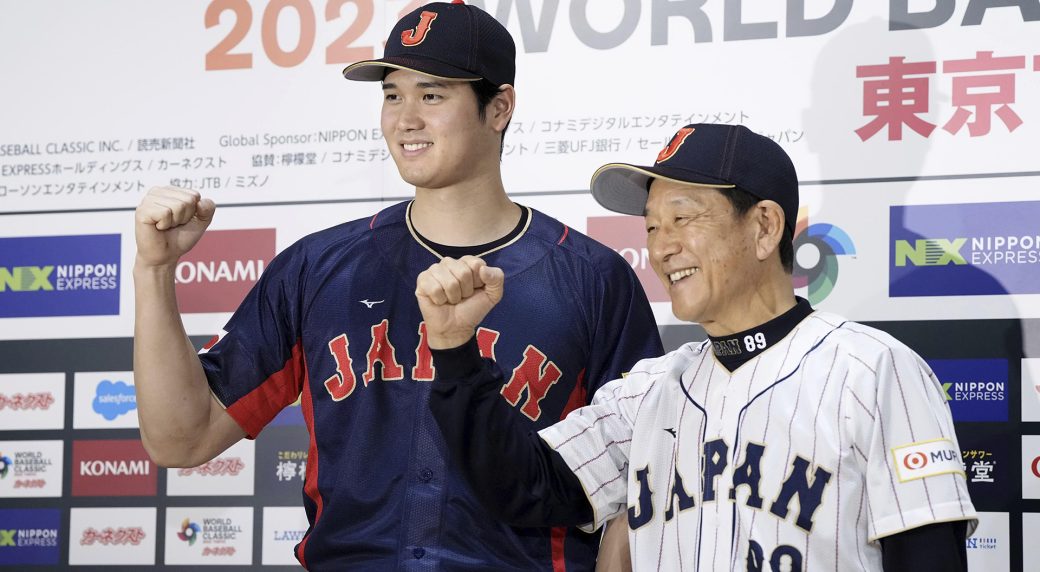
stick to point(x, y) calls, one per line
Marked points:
point(804, 456)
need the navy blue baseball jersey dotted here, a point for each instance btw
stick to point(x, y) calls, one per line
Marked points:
point(334, 318)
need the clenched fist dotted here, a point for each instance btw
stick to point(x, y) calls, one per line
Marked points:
point(168, 223)
point(455, 296)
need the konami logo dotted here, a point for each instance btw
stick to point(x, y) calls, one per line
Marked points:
point(216, 275)
point(103, 468)
point(112, 468)
point(627, 236)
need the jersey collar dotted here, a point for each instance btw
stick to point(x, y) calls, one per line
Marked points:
point(737, 349)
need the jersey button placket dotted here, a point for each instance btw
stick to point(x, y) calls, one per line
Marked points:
point(418, 553)
point(425, 475)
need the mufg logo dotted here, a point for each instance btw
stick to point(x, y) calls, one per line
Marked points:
point(816, 251)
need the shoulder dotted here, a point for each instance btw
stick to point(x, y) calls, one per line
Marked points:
point(342, 237)
point(673, 364)
point(864, 347)
point(571, 243)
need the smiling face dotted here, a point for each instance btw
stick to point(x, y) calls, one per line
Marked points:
point(433, 130)
point(702, 251)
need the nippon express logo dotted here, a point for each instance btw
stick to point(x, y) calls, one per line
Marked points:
point(963, 250)
point(59, 276)
point(816, 251)
point(976, 389)
point(114, 399)
point(29, 536)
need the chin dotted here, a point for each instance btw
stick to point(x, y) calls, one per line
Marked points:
point(687, 314)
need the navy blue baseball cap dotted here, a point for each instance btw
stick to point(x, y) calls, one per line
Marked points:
point(447, 41)
point(706, 154)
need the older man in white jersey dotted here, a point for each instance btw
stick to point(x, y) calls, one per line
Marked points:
point(791, 439)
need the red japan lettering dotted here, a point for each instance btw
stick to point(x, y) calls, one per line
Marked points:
point(537, 374)
point(383, 352)
point(341, 385)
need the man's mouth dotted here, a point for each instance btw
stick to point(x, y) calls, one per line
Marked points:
point(678, 275)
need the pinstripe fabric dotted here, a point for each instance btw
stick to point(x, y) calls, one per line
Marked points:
point(788, 460)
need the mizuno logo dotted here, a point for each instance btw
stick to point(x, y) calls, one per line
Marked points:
point(670, 430)
point(371, 303)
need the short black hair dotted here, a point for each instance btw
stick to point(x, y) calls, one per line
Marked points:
point(485, 92)
point(742, 201)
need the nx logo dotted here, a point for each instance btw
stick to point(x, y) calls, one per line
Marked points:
point(930, 252)
point(7, 536)
point(26, 278)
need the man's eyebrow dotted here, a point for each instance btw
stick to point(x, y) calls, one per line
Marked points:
point(420, 85)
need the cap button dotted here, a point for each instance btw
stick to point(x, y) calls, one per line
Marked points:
point(457, 2)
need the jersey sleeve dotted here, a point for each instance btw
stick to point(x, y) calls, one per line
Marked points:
point(904, 436)
point(255, 366)
point(595, 443)
point(625, 330)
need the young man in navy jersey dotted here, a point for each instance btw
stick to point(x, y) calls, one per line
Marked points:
point(334, 321)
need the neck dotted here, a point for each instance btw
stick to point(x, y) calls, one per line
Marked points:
point(770, 299)
point(469, 213)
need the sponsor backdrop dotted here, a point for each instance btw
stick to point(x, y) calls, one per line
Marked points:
point(914, 127)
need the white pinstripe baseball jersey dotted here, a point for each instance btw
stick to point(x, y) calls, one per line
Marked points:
point(800, 459)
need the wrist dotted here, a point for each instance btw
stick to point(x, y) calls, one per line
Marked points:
point(449, 340)
point(458, 362)
point(144, 270)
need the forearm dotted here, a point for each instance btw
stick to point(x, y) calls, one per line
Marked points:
point(933, 547)
point(173, 397)
point(513, 472)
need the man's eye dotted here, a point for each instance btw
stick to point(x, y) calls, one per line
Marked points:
point(650, 229)
point(432, 97)
point(391, 97)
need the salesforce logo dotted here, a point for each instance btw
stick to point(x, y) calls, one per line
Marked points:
point(114, 399)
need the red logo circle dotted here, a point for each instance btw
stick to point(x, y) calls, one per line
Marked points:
point(915, 461)
point(1036, 467)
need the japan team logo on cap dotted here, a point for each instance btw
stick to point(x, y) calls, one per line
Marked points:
point(416, 35)
point(673, 146)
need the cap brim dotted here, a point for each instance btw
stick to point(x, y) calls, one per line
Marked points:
point(622, 188)
point(375, 70)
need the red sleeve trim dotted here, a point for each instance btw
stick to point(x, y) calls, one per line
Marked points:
point(258, 407)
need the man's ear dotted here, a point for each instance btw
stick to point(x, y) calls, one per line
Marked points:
point(500, 110)
point(769, 228)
